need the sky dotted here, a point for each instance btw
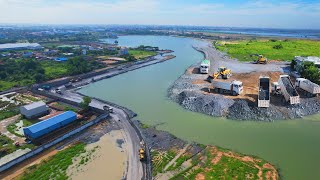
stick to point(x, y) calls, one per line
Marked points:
point(228, 13)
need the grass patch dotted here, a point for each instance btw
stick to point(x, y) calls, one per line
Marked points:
point(4, 114)
point(56, 166)
point(64, 107)
point(54, 69)
point(160, 160)
point(6, 146)
point(139, 54)
point(283, 50)
point(178, 162)
point(144, 126)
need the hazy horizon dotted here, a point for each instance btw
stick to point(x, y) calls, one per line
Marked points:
point(289, 14)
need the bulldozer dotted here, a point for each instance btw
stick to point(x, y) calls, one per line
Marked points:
point(261, 59)
point(223, 72)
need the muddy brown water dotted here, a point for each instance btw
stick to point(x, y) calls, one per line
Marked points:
point(292, 145)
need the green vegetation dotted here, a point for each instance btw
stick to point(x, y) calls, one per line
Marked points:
point(141, 54)
point(178, 162)
point(216, 163)
point(283, 50)
point(6, 146)
point(310, 71)
point(4, 114)
point(160, 160)
point(56, 166)
point(85, 103)
point(12, 128)
point(24, 72)
point(64, 107)
point(144, 126)
point(54, 69)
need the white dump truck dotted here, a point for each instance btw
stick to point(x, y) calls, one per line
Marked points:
point(205, 66)
point(310, 88)
point(264, 92)
point(288, 91)
point(224, 86)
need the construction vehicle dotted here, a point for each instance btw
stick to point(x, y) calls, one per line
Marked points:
point(276, 90)
point(231, 87)
point(108, 108)
point(223, 73)
point(264, 91)
point(205, 66)
point(288, 91)
point(142, 152)
point(260, 60)
point(310, 88)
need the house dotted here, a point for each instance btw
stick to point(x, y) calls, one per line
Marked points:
point(34, 110)
point(123, 51)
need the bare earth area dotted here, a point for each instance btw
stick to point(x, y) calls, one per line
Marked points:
point(105, 158)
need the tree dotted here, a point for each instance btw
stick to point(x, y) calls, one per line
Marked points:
point(78, 66)
point(293, 64)
point(279, 46)
point(39, 77)
point(85, 103)
point(310, 71)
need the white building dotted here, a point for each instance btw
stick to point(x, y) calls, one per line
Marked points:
point(34, 110)
point(13, 46)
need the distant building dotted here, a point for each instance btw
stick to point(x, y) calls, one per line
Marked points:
point(27, 54)
point(17, 46)
point(84, 52)
point(42, 128)
point(123, 51)
point(34, 110)
point(299, 60)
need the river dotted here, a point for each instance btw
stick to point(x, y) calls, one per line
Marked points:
point(292, 145)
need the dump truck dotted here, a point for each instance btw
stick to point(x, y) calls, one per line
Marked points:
point(142, 152)
point(205, 66)
point(264, 91)
point(288, 91)
point(310, 88)
point(230, 87)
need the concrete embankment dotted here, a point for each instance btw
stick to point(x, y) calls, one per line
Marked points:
point(193, 93)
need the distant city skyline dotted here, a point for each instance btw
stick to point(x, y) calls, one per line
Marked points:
point(238, 13)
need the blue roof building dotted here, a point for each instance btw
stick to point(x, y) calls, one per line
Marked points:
point(61, 59)
point(45, 127)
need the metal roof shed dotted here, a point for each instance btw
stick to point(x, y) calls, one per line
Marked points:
point(44, 127)
point(34, 109)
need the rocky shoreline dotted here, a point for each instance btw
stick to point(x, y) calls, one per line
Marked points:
point(193, 96)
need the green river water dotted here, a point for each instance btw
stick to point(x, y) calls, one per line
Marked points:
point(292, 145)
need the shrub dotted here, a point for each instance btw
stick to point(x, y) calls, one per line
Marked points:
point(279, 46)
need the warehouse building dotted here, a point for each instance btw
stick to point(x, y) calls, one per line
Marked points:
point(34, 110)
point(42, 128)
point(17, 46)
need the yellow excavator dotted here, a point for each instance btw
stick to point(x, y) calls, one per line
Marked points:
point(142, 154)
point(260, 60)
point(223, 72)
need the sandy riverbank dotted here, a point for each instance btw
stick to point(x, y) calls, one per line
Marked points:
point(106, 159)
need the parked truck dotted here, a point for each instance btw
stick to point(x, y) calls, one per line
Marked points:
point(264, 92)
point(288, 91)
point(310, 88)
point(224, 86)
point(205, 66)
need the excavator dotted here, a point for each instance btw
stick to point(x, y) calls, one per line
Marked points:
point(223, 72)
point(260, 60)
